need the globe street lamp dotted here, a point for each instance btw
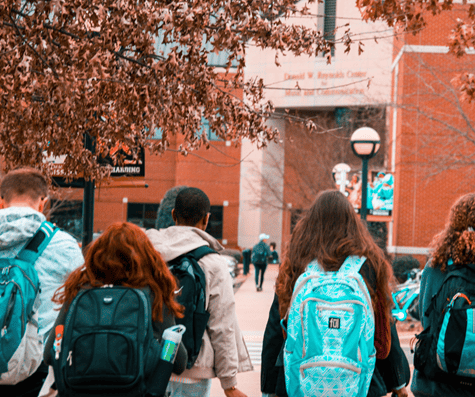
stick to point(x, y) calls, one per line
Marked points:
point(365, 143)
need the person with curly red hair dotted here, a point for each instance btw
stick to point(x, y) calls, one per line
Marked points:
point(124, 256)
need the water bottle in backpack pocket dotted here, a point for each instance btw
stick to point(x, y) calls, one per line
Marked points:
point(329, 348)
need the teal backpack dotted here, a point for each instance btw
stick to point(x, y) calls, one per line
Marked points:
point(21, 348)
point(329, 350)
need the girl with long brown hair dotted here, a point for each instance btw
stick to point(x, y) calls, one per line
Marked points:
point(330, 232)
point(124, 256)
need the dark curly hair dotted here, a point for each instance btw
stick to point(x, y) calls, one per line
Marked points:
point(457, 240)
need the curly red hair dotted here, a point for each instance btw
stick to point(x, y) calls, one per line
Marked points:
point(123, 255)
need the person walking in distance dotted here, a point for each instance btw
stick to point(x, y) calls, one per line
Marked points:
point(24, 194)
point(259, 258)
point(274, 258)
point(223, 352)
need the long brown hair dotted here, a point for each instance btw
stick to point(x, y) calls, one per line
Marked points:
point(123, 255)
point(457, 240)
point(329, 232)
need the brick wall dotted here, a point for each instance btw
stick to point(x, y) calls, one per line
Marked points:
point(435, 134)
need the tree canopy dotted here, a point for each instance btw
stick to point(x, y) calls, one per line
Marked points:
point(75, 67)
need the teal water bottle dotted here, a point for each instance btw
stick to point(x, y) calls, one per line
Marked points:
point(171, 339)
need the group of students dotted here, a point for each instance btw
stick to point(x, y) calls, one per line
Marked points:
point(126, 258)
point(310, 346)
point(329, 332)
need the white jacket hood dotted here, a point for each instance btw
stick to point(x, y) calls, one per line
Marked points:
point(178, 240)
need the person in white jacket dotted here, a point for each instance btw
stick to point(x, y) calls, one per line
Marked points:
point(223, 353)
point(23, 196)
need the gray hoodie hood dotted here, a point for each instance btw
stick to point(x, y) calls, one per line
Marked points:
point(17, 225)
point(178, 240)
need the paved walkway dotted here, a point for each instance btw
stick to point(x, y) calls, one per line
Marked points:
point(252, 310)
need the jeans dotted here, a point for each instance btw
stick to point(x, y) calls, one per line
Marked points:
point(259, 269)
point(200, 389)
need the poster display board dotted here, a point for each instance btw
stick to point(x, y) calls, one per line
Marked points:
point(380, 198)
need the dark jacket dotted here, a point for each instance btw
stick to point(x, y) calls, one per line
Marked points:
point(263, 248)
point(390, 372)
point(431, 282)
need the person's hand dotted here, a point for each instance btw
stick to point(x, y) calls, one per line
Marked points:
point(234, 393)
point(401, 392)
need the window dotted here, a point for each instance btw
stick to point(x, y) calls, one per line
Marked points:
point(67, 214)
point(215, 224)
point(142, 214)
point(330, 22)
point(210, 134)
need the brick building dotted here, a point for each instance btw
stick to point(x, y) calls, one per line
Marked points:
point(352, 91)
point(215, 171)
point(432, 135)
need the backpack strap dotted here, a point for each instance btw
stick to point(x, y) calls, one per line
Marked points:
point(199, 252)
point(37, 244)
point(352, 264)
point(466, 273)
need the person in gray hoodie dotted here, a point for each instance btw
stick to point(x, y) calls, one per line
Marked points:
point(223, 353)
point(24, 193)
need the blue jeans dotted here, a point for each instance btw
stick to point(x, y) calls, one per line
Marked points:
point(200, 389)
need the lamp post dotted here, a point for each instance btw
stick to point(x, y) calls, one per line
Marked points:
point(365, 143)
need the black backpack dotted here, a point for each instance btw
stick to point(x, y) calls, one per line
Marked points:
point(445, 350)
point(192, 286)
point(259, 254)
point(108, 346)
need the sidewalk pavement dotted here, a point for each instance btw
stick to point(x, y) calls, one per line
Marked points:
point(252, 310)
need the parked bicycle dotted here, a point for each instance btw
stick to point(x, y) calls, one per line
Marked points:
point(406, 297)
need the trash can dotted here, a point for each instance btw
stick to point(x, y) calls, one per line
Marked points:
point(246, 260)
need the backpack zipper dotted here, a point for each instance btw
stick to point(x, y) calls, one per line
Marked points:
point(338, 308)
point(6, 270)
point(349, 367)
point(70, 358)
point(8, 315)
point(25, 275)
point(10, 306)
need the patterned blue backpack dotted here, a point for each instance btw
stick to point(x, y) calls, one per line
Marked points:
point(21, 348)
point(329, 350)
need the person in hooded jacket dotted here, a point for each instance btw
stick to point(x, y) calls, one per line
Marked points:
point(24, 194)
point(223, 353)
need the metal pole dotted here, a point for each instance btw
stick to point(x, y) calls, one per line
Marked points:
point(88, 203)
point(364, 189)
